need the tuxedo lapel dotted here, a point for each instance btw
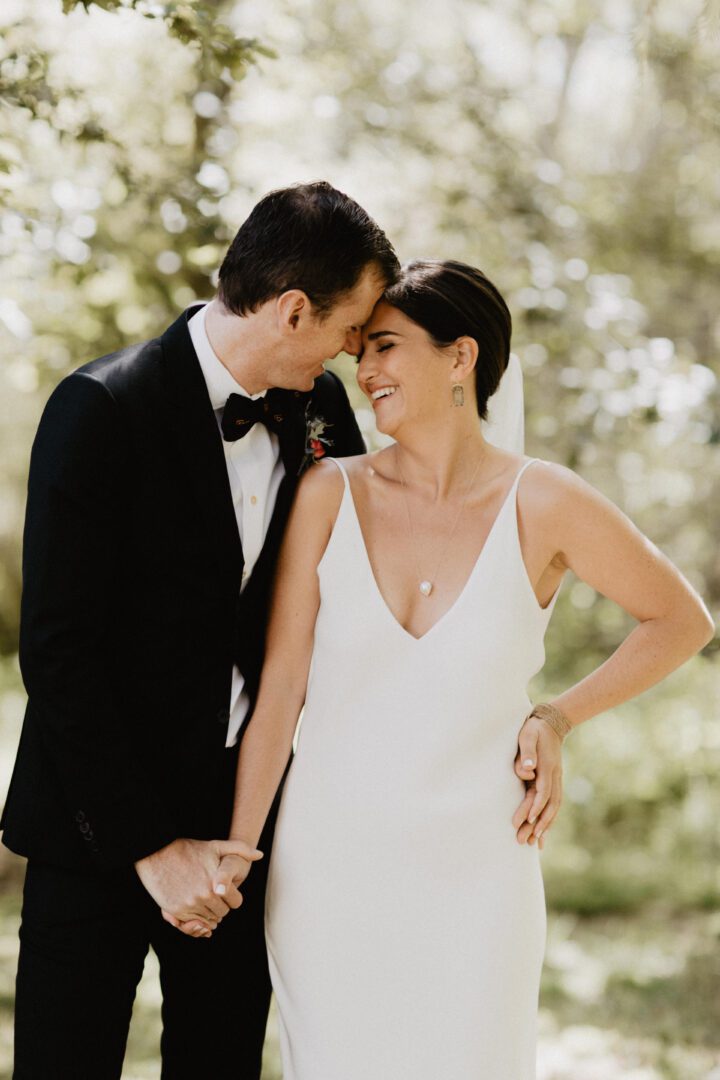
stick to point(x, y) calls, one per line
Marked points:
point(292, 445)
point(328, 405)
point(199, 445)
point(292, 452)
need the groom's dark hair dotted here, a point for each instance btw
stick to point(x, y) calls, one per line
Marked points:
point(450, 300)
point(310, 237)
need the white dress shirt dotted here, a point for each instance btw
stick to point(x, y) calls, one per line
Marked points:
point(255, 471)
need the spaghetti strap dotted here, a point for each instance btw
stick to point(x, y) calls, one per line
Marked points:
point(523, 468)
point(341, 467)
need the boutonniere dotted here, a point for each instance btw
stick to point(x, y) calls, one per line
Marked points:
point(316, 441)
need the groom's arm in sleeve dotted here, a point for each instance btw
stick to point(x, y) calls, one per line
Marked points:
point(72, 655)
point(330, 401)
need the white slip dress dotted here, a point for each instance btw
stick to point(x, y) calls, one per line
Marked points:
point(405, 923)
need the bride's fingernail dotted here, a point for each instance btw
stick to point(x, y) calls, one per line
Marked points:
point(528, 763)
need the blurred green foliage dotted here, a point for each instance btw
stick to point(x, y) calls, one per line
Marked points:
point(222, 52)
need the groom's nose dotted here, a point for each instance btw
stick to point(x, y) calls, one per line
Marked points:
point(353, 341)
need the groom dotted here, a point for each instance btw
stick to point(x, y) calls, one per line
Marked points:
point(160, 483)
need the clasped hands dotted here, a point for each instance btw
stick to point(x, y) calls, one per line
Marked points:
point(195, 882)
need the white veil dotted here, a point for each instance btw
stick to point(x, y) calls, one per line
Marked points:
point(505, 425)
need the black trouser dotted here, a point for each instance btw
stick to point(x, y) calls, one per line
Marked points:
point(83, 941)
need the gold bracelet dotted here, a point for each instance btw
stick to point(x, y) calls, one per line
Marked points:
point(553, 716)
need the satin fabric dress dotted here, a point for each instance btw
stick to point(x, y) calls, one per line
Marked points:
point(405, 924)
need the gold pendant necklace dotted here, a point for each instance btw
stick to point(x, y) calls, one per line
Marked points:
point(426, 585)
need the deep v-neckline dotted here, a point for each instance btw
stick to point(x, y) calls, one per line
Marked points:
point(348, 495)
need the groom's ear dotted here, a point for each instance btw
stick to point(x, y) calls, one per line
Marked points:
point(465, 359)
point(292, 307)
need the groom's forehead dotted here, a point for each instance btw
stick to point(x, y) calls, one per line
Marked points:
point(358, 307)
point(368, 291)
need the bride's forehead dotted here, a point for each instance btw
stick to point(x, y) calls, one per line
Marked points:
point(384, 317)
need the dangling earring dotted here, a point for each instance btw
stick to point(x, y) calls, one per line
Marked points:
point(458, 395)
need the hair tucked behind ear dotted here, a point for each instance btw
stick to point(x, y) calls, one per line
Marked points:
point(450, 300)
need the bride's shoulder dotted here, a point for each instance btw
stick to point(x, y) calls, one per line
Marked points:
point(552, 488)
point(549, 474)
point(321, 486)
point(319, 482)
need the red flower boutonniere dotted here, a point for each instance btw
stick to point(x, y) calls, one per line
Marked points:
point(316, 441)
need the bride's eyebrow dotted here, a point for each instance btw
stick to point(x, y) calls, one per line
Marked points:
point(373, 337)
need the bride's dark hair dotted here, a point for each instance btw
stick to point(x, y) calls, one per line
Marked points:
point(450, 300)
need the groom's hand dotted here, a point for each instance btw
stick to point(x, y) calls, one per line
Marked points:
point(180, 878)
point(229, 876)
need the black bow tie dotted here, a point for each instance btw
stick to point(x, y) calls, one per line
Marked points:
point(240, 413)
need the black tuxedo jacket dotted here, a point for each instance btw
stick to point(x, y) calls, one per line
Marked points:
point(131, 615)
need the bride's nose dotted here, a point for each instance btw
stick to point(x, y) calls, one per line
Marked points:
point(366, 372)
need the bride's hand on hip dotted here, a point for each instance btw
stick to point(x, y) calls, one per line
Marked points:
point(538, 763)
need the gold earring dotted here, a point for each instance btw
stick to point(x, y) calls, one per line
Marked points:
point(458, 395)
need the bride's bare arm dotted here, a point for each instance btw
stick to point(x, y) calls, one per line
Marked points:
point(601, 545)
point(267, 742)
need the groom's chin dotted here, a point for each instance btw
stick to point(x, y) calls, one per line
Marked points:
point(304, 381)
point(299, 385)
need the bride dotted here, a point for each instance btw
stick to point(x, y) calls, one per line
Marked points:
point(405, 909)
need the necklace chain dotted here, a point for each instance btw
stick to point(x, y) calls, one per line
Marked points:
point(426, 585)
